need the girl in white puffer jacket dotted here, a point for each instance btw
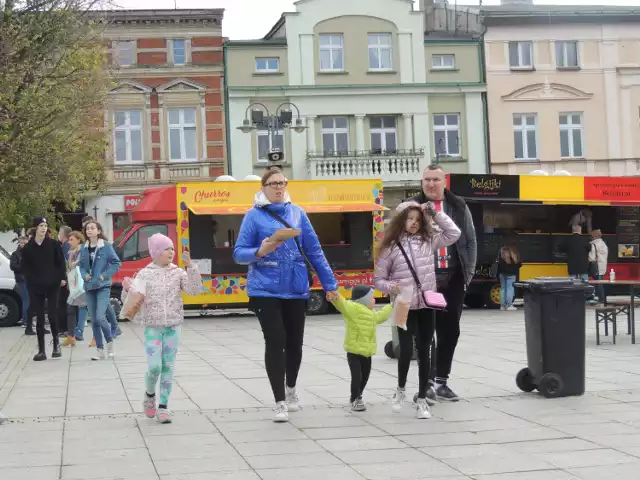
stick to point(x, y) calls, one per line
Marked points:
point(412, 230)
point(162, 313)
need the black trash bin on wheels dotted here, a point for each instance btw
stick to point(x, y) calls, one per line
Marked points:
point(554, 312)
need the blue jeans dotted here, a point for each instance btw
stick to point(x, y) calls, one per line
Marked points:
point(97, 303)
point(81, 322)
point(507, 291)
point(113, 321)
point(24, 293)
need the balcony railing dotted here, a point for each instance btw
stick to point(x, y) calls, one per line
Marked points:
point(158, 172)
point(399, 165)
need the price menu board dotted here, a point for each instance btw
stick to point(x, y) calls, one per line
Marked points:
point(628, 232)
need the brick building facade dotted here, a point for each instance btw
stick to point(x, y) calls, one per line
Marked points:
point(165, 114)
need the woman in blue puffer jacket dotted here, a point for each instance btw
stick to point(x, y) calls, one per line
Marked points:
point(278, 282)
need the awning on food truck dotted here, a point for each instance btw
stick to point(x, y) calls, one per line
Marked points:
point(220, 209)
point(337, 208)
point(236, 198)
point(547, 190)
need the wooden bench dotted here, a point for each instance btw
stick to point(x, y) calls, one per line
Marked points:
point(622, 307)
point(606, 315)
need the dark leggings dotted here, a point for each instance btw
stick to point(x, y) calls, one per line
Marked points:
point(360, 370)
point(37, 297)
point(421, 324)
point(282, 323)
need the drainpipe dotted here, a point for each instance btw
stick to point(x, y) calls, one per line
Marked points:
point(485, 106)
point(226, 110)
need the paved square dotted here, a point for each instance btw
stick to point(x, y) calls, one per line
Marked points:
point(76, 419)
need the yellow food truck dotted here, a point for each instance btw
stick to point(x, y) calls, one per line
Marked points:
point(347, 216)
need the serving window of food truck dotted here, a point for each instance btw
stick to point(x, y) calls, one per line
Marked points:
point(347, 216)
point(536, 213)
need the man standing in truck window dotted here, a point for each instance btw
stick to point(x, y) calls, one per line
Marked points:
point(455, 268)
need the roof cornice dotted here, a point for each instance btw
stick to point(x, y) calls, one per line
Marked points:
point(147, 17)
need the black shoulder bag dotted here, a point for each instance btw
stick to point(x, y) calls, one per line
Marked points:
point(310, 269)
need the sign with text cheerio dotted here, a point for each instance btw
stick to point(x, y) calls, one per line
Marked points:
point(308, 192)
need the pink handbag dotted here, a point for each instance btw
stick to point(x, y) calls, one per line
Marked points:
point(432, 300)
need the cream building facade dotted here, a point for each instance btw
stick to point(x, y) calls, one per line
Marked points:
point(563, 89)
point(378, 97)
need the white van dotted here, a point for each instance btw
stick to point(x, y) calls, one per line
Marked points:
point(10, 300)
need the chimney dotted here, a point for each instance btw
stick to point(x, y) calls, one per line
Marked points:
point(516, 2)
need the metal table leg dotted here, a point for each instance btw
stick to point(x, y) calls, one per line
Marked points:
point(632, 314)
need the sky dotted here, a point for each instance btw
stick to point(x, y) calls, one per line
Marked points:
point(251, 19)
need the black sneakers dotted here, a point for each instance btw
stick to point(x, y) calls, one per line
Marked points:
point(443, 392)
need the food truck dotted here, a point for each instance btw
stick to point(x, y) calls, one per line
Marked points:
point(204, 219)
point(535, 213)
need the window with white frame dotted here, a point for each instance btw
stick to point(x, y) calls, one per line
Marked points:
point(331, 53)
point(335, 135)
point(443, 62)
point(383, 134)
point(525, 136)
point(269, 140)
point(446, 133)
point(125, 53)
point(179, 52)
point(521, 54)
point(127, 136)
point(267, 65)
point(567, 54)
point(380, 51)
point(571, 135)
point(183, 145)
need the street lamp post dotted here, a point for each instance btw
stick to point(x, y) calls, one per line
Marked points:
point(283, 119)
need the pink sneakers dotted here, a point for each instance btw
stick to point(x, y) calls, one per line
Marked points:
point(149, 405)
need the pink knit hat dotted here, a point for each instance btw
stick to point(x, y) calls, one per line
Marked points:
point(158, 243)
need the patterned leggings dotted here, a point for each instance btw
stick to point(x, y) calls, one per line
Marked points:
point(161, 345)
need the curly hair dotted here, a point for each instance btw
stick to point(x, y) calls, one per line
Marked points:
point(397, 229)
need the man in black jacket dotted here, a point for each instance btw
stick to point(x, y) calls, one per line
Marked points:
point(455, 268)
point(44, 269)
point(16, 267)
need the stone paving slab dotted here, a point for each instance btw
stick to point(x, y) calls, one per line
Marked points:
point(76, 419)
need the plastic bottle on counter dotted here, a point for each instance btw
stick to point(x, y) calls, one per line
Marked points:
point(612, 275)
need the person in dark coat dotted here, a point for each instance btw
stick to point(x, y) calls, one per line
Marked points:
point(455, 268)
point(44, 270)
point(16, 267)
point(577, 249)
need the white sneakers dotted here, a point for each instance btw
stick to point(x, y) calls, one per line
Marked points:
point(422, 406)
point(292, 401)
point(102, 355)
point(291, 404)
point(281, 413)
point(398, 400)
point(422, 409)
point(99, 355)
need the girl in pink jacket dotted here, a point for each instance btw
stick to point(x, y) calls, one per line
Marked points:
point(420, 231)
point(162, 313)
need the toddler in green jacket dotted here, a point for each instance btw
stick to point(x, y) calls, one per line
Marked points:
point(360, 342)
